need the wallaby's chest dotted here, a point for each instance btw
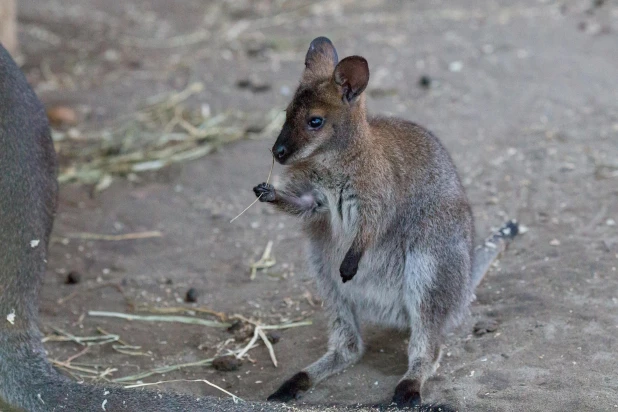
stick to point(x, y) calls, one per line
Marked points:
point(339, 203)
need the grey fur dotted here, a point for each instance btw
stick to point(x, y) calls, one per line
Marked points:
point(411, 278)
point(401, 191)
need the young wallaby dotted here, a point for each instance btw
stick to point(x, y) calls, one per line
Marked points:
point(390, 228)
point(28, 191)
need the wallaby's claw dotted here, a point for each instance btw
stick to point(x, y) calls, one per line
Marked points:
point(347, 273)
point(265, 192)
point(292, 388)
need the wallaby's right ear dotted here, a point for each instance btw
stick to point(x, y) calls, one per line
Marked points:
point(352, 75)
point(321, 58)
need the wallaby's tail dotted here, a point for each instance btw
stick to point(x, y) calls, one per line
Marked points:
point(494, 245)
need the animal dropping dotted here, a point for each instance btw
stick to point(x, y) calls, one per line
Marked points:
point(389, 226)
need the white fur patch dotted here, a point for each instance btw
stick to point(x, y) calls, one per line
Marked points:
point(11, 317)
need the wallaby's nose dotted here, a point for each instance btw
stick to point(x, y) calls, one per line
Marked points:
point(280, 151)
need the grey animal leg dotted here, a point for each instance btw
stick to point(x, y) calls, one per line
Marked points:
point(345, 347)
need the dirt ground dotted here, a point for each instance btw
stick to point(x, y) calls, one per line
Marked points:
point(524, 94)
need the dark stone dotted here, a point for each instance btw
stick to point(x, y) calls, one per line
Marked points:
point(226, 363)
point(73, 278)
point(192, 295)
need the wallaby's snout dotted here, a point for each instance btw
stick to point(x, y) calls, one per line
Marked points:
point(284, 146)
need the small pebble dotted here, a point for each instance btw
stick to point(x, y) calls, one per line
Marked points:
point(554, 242)
point(485, 326)
point(62, 115)
point(425, 81)
point(274, 337)
point(455, 67)
point(73, 278)
point(235, 326)
point(243, 83)
point(191, 295)
point(226, 363)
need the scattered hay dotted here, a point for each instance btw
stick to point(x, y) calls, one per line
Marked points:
point(160, 134)
point(265, 262)
point(94, 372)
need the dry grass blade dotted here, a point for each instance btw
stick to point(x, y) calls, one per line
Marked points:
point(140, 385)
point(161, 370)
point(153, 309)
point(102, 285)
point(130, 350)
point(265, 262)
point(287, 325)
point(271, 350)
point(82, 340)
point(174, 319)
point(254, 339)
point(74, 367)
point(115, 238)
point(256, 200)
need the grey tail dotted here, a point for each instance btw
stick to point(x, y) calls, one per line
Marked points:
point(494, 245)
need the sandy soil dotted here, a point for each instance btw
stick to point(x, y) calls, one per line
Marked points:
point(525, 97)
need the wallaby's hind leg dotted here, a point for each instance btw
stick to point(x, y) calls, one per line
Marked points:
point(434, 294)
point(345, 347)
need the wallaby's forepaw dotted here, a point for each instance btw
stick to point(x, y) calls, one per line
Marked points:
point(265, 192)
point(292, 388)
point(407, 394)
point(349, 266)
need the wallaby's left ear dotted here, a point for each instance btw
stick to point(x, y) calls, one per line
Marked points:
point(352, 74)
point(321, 59)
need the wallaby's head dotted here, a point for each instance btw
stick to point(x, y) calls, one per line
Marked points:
point(327, 106)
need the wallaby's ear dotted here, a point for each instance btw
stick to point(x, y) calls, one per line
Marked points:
point(321, 58)
point(352, 74)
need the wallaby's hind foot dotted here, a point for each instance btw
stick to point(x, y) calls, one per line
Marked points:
point(292, 388)
point(408, 394)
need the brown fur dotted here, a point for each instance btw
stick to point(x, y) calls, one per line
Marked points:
point(384, 209)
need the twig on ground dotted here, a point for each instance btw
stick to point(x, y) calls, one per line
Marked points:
point(140, 385)
point(175, 319)
point(115, 238)
point(265, 262)
point(91, 288)
point(152, 309)
point(161, 370)
point(271, 350)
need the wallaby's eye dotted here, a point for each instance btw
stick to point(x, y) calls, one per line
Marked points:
point(315, 122)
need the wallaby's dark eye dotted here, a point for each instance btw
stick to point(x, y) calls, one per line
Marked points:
point(315, 122)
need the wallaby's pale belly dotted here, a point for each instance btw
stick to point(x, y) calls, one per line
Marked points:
point(378, 292)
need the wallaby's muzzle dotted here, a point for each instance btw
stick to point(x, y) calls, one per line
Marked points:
point(285, 146)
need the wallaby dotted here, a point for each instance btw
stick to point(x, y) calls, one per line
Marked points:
point(28, 191)
point(390, 228)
